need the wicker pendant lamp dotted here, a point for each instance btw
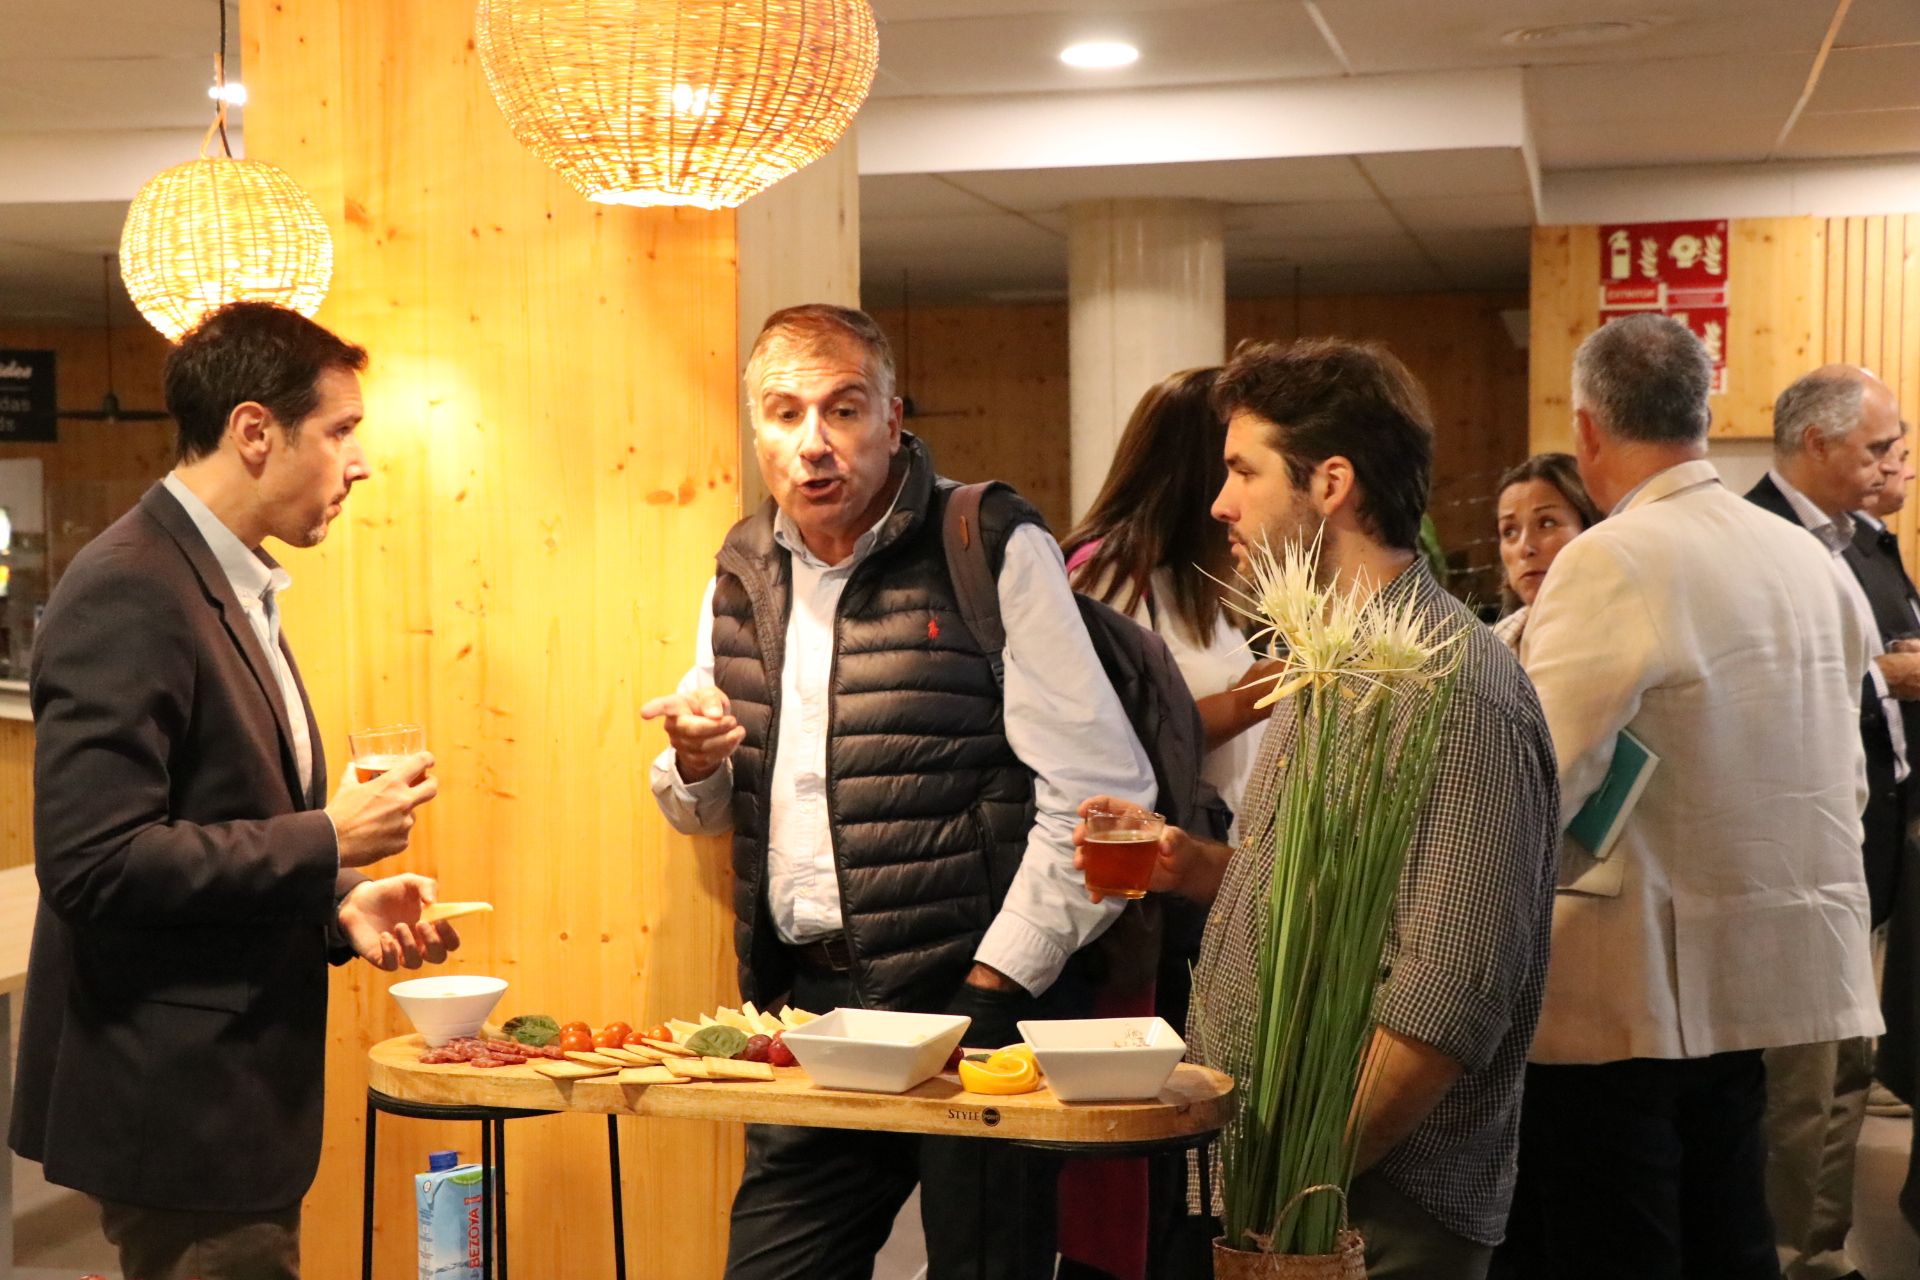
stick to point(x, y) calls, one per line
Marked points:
point(218, 229)
point(677, 102)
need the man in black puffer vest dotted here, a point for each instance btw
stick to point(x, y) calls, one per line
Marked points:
point(902, 824)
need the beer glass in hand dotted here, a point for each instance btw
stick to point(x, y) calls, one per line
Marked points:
point(1120, 849)
point(374, 751)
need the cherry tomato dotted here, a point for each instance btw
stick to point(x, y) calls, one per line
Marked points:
point(661, 1032)
point(635, 1039)
point(608, 1038)
point(575, 1026)
point(575, 1040)
point(624, 1030)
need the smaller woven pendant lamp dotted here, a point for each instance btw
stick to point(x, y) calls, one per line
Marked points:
point(677, 102)
point(218, 229)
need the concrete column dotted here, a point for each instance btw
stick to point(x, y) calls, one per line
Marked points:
point(1146, 284)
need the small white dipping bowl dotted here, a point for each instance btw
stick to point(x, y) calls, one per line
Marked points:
point(1105, 1059)
point(876, 1050)
point(449, 1006)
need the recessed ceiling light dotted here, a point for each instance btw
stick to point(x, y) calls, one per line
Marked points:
point(1571, 35)
point(233, 93)
point(1100, 55)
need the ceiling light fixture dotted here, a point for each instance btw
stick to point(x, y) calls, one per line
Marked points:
point(677, 102)
point(1100, 55)
point(1575, 35)
point(234, 94)
point(218, 229)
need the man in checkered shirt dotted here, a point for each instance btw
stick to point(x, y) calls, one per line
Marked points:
point(1332, 438)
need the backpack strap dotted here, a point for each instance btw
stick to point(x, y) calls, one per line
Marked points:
point(975, 585)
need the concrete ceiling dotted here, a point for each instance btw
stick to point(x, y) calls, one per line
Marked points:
point(1357, 144)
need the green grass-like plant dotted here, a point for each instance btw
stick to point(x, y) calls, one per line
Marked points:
point(1371, 684)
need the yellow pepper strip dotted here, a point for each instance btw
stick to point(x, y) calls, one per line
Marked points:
point(1011, 1070)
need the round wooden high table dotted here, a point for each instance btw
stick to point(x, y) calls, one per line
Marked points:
point(1193, 1106)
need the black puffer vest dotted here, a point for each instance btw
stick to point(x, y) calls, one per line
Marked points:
point(929, 807)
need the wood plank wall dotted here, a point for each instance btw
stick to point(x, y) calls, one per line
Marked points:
point(1776, 284)
point(97, 470)
point(991, 385)
point(552, 425)
point(1803, 292)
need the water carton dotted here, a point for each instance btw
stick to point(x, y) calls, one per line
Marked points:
point(447, 1201)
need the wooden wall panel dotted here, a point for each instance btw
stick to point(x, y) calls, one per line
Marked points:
point(991, 384)
point(98, 470)
point(16, 793)
point(1777, 273)
point(1804, 292)
point(552, 426)
point(990, 387)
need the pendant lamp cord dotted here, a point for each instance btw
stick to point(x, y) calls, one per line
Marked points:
point(219, 124)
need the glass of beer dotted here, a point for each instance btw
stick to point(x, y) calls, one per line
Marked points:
point(374, 751)
point(1120, 850)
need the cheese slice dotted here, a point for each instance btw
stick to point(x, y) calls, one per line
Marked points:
point(649, 1075)
point(570, 1070)
point(668, 1049)
point(593, 1059)
point(734, 1069)
point(439, 911)
point(735, 1019)
point(681, 1029)
point(688, 1068)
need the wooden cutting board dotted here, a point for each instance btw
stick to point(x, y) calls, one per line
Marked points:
point(1195, 1101)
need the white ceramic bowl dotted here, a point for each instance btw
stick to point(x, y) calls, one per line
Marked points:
point(1105, 1059)
point(449, 1006)
point(874, 1049)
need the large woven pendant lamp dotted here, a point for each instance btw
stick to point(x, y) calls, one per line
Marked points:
point(219, 229)
point(677, 102)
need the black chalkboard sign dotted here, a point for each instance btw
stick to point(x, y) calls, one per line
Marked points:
point(27, 410)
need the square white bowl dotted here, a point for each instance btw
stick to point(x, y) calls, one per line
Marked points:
point(448, 1006)
point(876, 1050)
point(1085, 1061)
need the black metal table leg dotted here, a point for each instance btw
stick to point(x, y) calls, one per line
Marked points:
point(366, 1197)
point(500, 1189)
point(619, 1210)
point(486, 1199)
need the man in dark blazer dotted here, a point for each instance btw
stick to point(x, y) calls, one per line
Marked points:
point(195, 880)
point(1836, 436)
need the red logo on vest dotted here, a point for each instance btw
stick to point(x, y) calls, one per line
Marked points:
point(933, 628)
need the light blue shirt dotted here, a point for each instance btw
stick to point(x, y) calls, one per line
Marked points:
point(257, 579)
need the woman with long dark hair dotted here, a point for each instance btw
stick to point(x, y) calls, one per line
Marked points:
point(1150, 547)
point(1539, 507)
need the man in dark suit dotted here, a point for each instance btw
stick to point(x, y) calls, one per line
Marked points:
point(195, 880)
point(1837, 432)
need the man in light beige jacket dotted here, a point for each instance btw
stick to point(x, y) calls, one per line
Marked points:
point(1731, 914)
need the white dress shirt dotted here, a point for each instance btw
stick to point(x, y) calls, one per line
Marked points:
point(1732, 912)
point(1836, 535)
point(257, 579)
point(1062, 719)
point(1213, 667)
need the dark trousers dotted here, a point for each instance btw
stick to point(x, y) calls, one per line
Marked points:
point(1648, 1168)
point(173, 1244)
point(817, 1204)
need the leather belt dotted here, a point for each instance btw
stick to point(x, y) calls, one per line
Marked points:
point(830, 954)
